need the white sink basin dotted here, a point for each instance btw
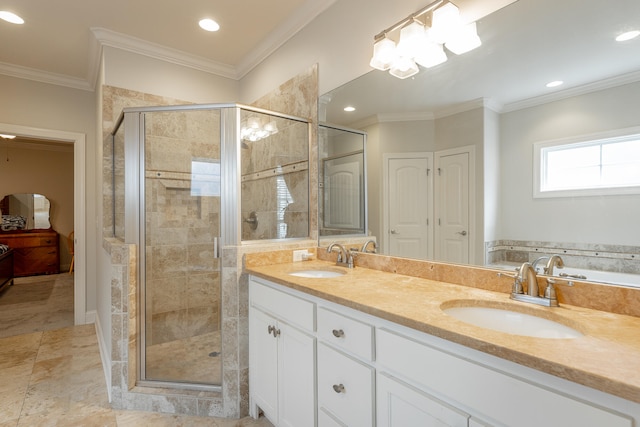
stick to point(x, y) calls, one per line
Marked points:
point(317, 274)
point(512, 322)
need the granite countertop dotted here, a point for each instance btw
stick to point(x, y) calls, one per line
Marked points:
point(417, 303)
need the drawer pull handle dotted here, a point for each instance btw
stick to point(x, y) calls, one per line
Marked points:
point(338, 388)
point(52, 253)
point(47, 241)
point(338, 333)
point(273, 331)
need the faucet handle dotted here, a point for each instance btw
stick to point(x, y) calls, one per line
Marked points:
point(550, 291)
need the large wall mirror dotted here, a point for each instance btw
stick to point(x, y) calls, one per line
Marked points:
point(475, 122)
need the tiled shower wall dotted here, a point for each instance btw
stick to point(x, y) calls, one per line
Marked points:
point(297, 97)
point(183, 279)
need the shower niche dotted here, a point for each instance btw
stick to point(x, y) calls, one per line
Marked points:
point(189, 183)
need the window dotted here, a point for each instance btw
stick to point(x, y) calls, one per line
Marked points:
point(592, 166)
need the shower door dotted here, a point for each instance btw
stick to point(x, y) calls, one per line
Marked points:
point(181, 270)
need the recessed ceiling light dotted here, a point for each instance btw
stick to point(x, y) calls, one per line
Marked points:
point(349, 108)
point(555, 83)
point(628, 36)
point(209, 24)
point(11, 17)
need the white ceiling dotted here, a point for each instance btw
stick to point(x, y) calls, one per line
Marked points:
point(525, 45)
point(59, 41)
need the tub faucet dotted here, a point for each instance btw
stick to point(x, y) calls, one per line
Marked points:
point(554, 261)
point(345, 258)
point(534, 264)
point(364, 247)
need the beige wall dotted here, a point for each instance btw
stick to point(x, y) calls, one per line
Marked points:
point(45, 172)
point(48, 107)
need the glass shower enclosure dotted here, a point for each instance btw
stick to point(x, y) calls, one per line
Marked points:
point(178, 176)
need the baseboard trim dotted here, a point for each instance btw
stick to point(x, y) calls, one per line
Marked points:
point(104, 355)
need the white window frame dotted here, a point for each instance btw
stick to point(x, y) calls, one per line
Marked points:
point(619, 134)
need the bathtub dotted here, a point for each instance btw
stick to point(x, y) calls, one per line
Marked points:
point(622, 279)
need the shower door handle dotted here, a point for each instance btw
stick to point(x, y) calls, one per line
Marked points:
point(216, 248)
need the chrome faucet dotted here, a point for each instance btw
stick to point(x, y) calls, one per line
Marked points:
point(345, 257)
point(364, 247)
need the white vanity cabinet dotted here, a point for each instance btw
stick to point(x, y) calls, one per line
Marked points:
point(282, 352)
point(372, 372)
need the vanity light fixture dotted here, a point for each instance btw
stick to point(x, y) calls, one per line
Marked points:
point(629, 35)
point(422, 37)
point(209, 24)
point(255, 129)
point(11, 17)
point(6, 136)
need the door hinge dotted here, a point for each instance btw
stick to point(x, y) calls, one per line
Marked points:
point(439, 171)
point(428, 170)
point(439, 221)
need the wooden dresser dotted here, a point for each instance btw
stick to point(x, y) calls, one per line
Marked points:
point(35, 252)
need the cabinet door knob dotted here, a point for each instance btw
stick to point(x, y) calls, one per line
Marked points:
point(270, 329)
point(338, 388)
point(338, 333)
point(276, 332)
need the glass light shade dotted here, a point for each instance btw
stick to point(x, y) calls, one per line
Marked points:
point(384, 52)
point(445, 23)
point(412, 37)
point(464, 40)
point(403, 67)
point(430, 55)
point(271, 127)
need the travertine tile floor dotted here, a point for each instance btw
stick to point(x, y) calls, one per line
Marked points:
point(54, 377)
point(36, 303)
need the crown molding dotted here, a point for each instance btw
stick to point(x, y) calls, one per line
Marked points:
point(27, 73)
point(300, 19)
point(574, 91)
point(117, 40)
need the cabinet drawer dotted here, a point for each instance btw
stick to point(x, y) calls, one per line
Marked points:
point(291, 309)
point(47, 241)
point(345, 387)
point(349, 334)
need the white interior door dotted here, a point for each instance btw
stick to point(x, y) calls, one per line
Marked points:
point(342, 203)
point(408, 201)
point(452, 207)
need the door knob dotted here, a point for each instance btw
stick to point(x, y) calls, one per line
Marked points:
point(394, 232)
point(464, 233)
point(338, 388)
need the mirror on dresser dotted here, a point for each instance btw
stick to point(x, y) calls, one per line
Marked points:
point(25, 211)
point(493, 104)
point(26, 228)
